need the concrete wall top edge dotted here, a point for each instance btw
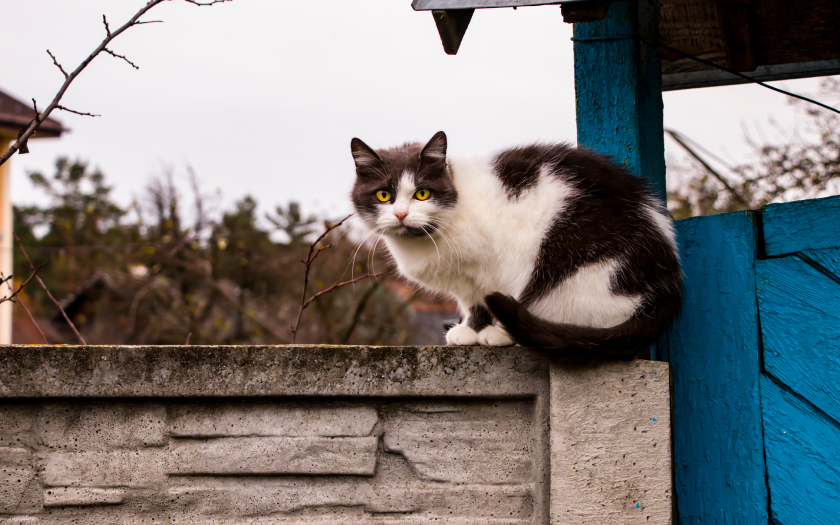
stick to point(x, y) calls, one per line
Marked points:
point(30, 371)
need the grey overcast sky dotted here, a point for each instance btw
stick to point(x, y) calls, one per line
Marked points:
point(262, 97)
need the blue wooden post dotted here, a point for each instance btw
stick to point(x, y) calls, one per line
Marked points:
point(715, 356)
point(618, 87)
point(618, 83)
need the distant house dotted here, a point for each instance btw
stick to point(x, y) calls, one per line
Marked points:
point(14, 116)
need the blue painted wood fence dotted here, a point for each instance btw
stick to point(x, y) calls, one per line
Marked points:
point(756, 367)
point(756, 352)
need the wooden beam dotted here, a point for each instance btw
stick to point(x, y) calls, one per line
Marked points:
point(583, 12)
point(451, 25)
point(735, 25)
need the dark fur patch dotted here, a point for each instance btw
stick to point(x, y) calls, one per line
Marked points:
point(519, 168)
point(384, 168)
point(606, 220)
point(576, 344)
point(479, 318)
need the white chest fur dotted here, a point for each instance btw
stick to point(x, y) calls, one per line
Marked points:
point(489, 242)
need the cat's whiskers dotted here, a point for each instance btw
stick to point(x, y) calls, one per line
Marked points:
point(442, 226)
point(352, 263)
point(446, 227)
point(433, 242)
point(372, 253)
point(454, 250)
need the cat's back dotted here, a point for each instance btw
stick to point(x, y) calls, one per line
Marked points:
point(519, 170)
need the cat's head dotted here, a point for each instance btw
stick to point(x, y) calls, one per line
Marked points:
point(405, 191)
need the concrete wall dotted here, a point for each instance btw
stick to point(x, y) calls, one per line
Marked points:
point(314, 434)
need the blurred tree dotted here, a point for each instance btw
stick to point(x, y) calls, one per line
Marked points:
point(154, 277)
point(290, 221)
point(798, 169)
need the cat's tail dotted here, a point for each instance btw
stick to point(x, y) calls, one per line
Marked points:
point(628, 340)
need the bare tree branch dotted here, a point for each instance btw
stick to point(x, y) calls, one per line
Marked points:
point(339, 285)
point(53, 299)
point(56, 65)
point(211, 2)
point(15, 292)
point(62, 108)
point(314, 251)
point(26, 308)
point(130, 63)
point(20, 143)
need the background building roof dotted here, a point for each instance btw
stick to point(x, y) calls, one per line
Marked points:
point(16, 115)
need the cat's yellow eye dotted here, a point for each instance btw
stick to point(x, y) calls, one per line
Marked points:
point(383, 196)
point(422, 194)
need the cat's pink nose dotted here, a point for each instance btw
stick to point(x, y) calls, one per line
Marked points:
point(400, 215)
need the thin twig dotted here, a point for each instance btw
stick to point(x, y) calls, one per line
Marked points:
point(20, 143)
point(62, 108)
point(132, 64)
point(57, 64)
point(15, 292)
point(314, 250)
point(339, 285)
point(105, 21)
point(53, 299)
point(211, 2)
point(26, 308)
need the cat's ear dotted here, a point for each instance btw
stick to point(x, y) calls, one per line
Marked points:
point(363, 155)
point(435, 151)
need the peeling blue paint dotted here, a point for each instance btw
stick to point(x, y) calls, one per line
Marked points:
point(618, 88)
point(714, 351)
point(805, 225)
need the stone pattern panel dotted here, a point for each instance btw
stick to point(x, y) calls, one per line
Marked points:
point(310, 460)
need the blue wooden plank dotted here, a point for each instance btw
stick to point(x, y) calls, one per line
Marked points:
point(618, 84)
point(805, 225)
point(803, 459)
point(714, 351)
point(828, 259)
point(799, 308)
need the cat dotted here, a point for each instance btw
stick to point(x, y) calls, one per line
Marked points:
point(549, 246)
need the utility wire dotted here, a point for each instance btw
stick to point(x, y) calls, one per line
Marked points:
point(740, 75)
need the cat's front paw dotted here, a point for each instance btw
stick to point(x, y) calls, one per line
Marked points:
point(494, 336)
point(461, 335)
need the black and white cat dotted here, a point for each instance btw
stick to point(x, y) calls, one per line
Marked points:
point(549, 246)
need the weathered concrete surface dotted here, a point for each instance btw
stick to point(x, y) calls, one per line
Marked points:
point(178, 371)
point(285, 435)
point(611, 444)
point(264, 435)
